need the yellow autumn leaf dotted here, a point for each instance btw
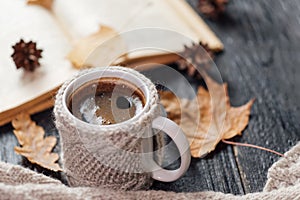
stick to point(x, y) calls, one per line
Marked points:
point(98, 49)
point(34, 146)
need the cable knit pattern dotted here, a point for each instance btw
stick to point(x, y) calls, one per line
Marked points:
point(289, 166)
point(19, 183)
point(115, 162)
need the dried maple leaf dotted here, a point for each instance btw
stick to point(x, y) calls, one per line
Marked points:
point(35, 147)
point(196, 55)
point(44, 3)
point(206, 120)
point(212, 8)
point(98, 49)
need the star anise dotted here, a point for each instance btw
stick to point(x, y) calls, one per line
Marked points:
point(212, 8)
point(194, 58)
point(26, 55)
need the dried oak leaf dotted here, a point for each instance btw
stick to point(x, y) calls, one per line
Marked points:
point(26, 55)
point(44, 3)
point(196, 55)
point(98, 49)
point(35, 147)
point(205, 121)
point(212, 8)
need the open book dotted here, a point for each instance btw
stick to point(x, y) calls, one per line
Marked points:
point(56, 31)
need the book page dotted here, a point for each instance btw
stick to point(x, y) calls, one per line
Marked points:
point(17, 21)
point(147, 28)
point(83, 18)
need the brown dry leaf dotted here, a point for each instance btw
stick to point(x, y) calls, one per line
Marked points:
point(98, 49)
point(196, 55)
point(204, 120)
point(35, 147)
point(44, 3)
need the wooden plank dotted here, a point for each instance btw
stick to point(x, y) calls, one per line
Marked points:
point(216, 172)
point(262, 60)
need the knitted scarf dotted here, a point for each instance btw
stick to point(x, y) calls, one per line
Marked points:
point(19, 183)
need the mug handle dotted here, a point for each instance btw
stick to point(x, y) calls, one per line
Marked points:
point(177, 135)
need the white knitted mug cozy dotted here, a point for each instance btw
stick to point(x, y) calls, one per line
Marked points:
point(111, 156)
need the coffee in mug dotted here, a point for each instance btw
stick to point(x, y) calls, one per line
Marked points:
point(106, 101)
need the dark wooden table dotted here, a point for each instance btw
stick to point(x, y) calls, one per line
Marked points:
point(261, 60)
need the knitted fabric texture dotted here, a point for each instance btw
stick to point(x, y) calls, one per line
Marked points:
point(109, 156)
point(20, 183)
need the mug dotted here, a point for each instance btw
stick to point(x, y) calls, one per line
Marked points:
point(118, 156)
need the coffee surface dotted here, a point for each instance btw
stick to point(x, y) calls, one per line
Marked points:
point(106, 101)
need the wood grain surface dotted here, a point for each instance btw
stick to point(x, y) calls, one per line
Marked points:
point(261, 60)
